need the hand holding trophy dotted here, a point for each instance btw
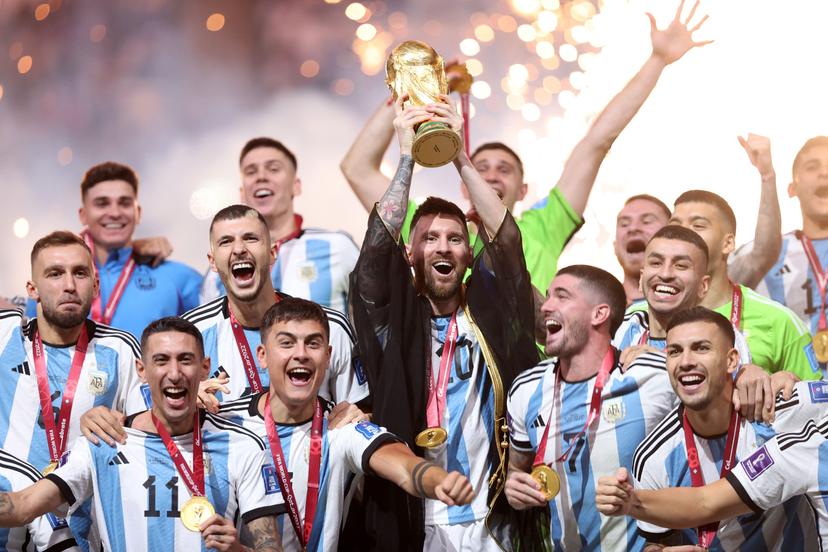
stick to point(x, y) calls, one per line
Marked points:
point(415, 69)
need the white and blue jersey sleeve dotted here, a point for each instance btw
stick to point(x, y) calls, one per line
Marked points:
point(789, 465)
point(344, 381)
point(46, 533)
point(633, 402)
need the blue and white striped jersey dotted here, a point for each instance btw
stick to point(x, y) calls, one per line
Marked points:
point(49, 533)
point(315, 266)
point(467, 419)
point(108, 378)
point(633, 402)
point(637, 321)
point(791, 464)
point(137, 492)
point(661, 461)
point(345, 454)
point(345, 379)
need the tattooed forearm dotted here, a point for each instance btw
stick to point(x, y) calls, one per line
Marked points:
point(265, 534)
point(393, 204)
point(417, 475)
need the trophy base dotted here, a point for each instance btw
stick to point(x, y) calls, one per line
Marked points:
point(435, 144)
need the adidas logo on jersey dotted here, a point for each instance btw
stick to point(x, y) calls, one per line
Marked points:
point(22, 369)
point(539, 422)
point(118, 459)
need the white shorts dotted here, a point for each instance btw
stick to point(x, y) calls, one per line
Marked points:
point(471, 536)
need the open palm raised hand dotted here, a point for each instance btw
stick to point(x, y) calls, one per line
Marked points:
point(677, 39)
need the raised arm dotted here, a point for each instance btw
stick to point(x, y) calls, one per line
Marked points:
point(767, 241)
point(21, 507)
point(669, 45)
point(395, 462)
point(361, 165)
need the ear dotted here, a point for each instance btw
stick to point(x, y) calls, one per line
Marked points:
point(733, 361)
point(137, 213)
point(31, 291)
point(82, 216)
point(704, 286)
point(409, 253)
point(141, 369)
point(792, 189)
point(600, 314)
point(524, 188)
point(96, 287)
point(297, 187)
point(641, 282)
point(211, 260)
point(205, 368)
point(241, 193)
point(729, 244)
point(273, 254)
point(261, 355)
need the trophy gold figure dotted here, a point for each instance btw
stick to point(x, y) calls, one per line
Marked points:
point(414, 68)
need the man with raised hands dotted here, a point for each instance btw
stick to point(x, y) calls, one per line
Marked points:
point(183, 476)
point(60, 364)
point(440, 354)
point(705, 436)
point(319, 467)
point(547, 226)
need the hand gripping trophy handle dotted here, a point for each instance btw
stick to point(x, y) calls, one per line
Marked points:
point(414, 68)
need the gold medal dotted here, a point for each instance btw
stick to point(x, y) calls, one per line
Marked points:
point(431, 437)
point(50, 468)
point(195, 511)
point(821, 345)
point(548, 479)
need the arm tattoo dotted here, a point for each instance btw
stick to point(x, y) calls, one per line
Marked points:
point(265, 534)
point(6, 504)
point(394, 202)
point(417, 475)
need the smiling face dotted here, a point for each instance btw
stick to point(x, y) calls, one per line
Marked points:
point(674, 275)
point(241, 253)
point(810, 184)
point(568, 313)
point(173, 365)
point(500, 169)
point(63, 284)
point(440, 255)
point(269, 182)
point(637, 222)
point(110, 212)
point(296, 354)
point(706, 221)
point(699, 362)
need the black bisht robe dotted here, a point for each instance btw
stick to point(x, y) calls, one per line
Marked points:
point(393, 329)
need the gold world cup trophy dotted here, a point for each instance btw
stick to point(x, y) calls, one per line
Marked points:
point(414, 68)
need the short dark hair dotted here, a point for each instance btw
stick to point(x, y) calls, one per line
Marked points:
point(499, 146)
point(57, 238)
point(709, 198)
point(109, 170)
point(605, 287)
point(652, 199)
point(703, 314)
point(680, 233)
point(811, 143)
point(172, 324)
point(294, 309)
point(265, 142)
point(237, 211)
point(439, 206)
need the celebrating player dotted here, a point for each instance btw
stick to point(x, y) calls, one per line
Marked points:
point(463, 344)
point(705, 436)
point(310, 262)
point(181, 478)
point(317, 485)
point(547, 226)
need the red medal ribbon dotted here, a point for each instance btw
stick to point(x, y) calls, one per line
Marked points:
point(56, 433)
point(820, 276)
point(108, 313)
point(194, 479)
point(246, 355)
point(594, 408)
point(302, 532)
point(736, 307)
point(645, 337)
point(437, 394)
point(707, 533)
point(297, 222)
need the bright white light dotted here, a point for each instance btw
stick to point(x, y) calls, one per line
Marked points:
point(518, 72)
point(526, 33)
point(526, 7)
point(568, 52)
point(545, 49)
point(20, 228)
point(469, 47)
point(547, 21)
point(481, 90)
point(530, 112)
point(474, 67)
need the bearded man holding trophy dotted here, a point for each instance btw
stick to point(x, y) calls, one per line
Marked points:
point(439, 354)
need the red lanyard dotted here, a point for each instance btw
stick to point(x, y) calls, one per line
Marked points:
point(736, 307)
point(108, 313)
point(245, 352)
point(437, 394)
point(707, 532)
point(820, 276)
point(314, 461)
point(56, 434)
point(194, 479)
point(594, 408)
point(645, 337)
point(297, 222)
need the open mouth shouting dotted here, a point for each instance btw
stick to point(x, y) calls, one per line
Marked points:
point(636, 246)
point(691, 382)
point(553, 326)
point(442, 267)
point(243, 272)
point(175, 397)
point(299, 376)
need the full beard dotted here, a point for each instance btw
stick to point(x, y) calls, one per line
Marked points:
point(441, 291)
point(573, 341)
point(66, 321)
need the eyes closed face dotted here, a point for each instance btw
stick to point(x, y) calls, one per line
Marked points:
point(674, 275)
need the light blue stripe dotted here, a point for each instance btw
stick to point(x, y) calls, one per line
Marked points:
point(107, 362)
point(12, 356)
point(773, 281)
point(319, 253)
point(109, 490)
point(161, 529)
point(457, 454)
point(276, 273)
point(218, 491)
point(822, 481)
point(316, 541)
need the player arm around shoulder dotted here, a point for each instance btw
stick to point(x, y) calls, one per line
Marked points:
point(418, 477)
